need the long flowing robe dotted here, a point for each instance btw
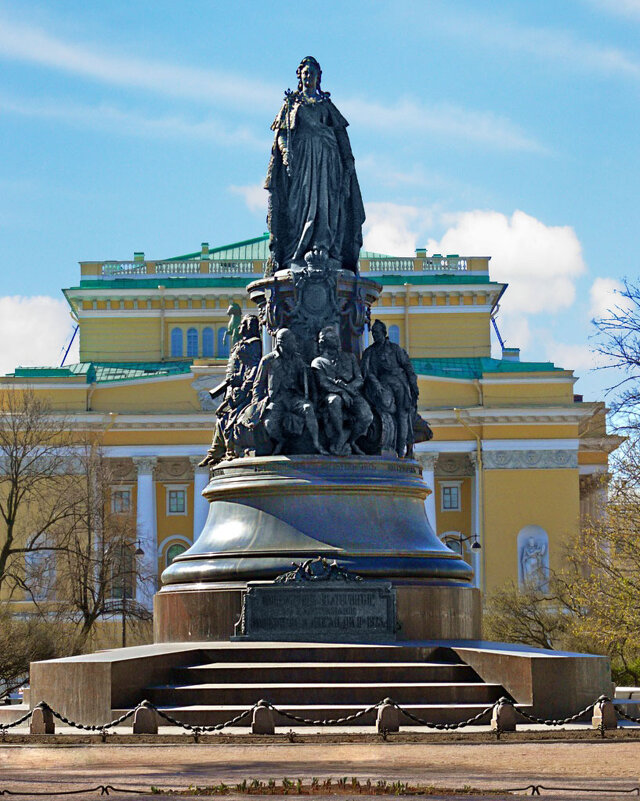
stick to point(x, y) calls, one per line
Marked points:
point(316, 202)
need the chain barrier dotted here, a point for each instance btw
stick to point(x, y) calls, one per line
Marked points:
point(550, 721)
point(199, 729)
point(103, 789)
point(534, 789)
point(103, 728)
point(202, 729)
point(444, 726)
point(5, 726)
point(325, 721)
point(625, 715)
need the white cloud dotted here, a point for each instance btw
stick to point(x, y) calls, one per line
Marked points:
point(254, 195)
point(619, 8)
point(578, 357)
point(33, 45)
point(106, 117)
point(34, 331)
point(394, 229)
point(540, 262)
point(481, 127)
point(515, 330)
point(547, 44)
point(605, 295)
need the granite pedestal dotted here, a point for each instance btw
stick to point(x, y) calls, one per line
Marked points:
point(366, 513)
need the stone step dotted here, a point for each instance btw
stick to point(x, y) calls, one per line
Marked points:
point(212, 715)
point(311, 672)
point(256, 652)
point(11, 712)
point(325, 693)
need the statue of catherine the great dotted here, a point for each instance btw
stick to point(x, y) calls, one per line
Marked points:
point(314, 198)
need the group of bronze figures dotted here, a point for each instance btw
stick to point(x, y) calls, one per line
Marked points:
point(312, 394)
point(279, 404)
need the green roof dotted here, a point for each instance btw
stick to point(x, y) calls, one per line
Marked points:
point(256, 249)
point(106, 372)
point(153, 282)
point(436, 278)
point(477, 367)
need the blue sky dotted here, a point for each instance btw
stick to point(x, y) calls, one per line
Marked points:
point(507, 129)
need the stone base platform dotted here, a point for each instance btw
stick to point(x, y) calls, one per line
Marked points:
point(205, 683)
point(192, 613)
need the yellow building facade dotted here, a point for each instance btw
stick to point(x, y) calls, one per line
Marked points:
point(514, 456)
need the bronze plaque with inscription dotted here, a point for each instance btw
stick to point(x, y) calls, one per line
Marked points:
point(362, 611)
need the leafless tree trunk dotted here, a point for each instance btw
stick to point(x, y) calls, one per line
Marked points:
point(34, 465)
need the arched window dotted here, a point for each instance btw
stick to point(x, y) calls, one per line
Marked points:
point(174, 550)
point(223, 344)
point(207, 343)
point(192, 343)
point(394, 334)
point(176, 343)
point(40, 573)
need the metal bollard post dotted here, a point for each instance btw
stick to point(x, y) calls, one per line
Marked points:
point(503, 717)
point(604, 715)
point(388, 718)
point(42, 721)
point(145, 721)
point(262, 722)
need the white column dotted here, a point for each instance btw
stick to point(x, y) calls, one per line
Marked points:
point(147, 534)
point(200, 504)
point(428, 463)
point(475, 521)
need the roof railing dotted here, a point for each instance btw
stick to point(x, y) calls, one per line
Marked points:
point(185, 268)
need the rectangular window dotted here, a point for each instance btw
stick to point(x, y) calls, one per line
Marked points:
point(121, 501)
point(451, 498)
point(176, 502)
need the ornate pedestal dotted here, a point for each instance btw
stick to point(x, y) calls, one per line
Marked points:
point(307, 300)
point(367, 513)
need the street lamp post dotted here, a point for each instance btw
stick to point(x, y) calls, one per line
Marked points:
point(137, 553)
point(460, 539)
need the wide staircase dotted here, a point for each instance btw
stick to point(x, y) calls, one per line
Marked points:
point(319, 681)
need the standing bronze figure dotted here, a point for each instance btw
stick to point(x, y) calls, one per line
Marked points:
point(315, 203)
point(391, 385)
point(237, 387)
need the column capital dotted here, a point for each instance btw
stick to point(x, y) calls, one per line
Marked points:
point(428, 460)
point(473, 458)
point(145, 465)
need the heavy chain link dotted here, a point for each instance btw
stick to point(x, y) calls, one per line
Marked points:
point(198, 729)
point(444, 726)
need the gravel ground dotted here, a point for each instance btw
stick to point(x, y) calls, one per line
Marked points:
point(611, 764)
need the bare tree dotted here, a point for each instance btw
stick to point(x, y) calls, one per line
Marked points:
point(34, 452)
point(100, 567)
point(619, 342)
point(527, 615)
point(67, 544)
